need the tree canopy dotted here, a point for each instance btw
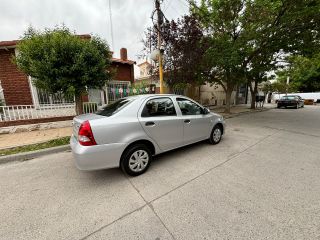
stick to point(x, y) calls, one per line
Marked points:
point(60, 61)
point(183, 49)
point(247, 38)
point(303, 72)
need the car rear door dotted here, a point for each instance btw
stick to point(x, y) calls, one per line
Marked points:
point(196, 124)
point(158, 117)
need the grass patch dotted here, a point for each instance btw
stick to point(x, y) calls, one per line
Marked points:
point(36, 146)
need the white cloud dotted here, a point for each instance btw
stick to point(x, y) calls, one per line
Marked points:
point(130, 18)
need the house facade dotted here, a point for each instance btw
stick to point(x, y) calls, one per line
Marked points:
point(16, 88)
point(209, 94)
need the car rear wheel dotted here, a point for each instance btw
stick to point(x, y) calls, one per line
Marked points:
point(136, 160)
point(216, 135)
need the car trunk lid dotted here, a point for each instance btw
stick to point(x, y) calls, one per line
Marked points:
point(78, 120)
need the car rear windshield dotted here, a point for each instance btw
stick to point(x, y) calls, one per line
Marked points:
point(288, 98)
point(113, 108)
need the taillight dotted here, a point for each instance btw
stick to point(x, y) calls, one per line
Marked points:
point(85, 135)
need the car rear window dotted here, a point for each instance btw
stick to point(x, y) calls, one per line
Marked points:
point(288, 98)
point(113, 108)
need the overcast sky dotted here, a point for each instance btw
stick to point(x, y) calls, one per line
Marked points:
point(130, 18)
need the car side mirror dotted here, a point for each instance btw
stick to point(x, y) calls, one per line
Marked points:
point(206, 111)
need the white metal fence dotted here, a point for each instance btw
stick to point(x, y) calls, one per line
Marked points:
point(24, 112)
point(58, 98)
point(89, 107)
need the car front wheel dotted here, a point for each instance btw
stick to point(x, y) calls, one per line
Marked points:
point(216, 135)
point(136, 160)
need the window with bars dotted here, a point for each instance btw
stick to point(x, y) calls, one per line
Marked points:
point(117, 90)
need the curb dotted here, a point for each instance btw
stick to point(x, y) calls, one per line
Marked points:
point(243, 113)
point(33, 154)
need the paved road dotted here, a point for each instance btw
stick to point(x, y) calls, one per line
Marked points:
point(261, 182)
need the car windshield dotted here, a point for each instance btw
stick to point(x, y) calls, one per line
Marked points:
point(113, 108)
point(288, 98)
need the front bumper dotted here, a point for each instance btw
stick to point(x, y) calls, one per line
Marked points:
point(96, 157)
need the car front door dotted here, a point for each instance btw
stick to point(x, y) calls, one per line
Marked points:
point(196, 123)
point(159, 120)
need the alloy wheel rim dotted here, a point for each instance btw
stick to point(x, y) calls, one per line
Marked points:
point(216, 135)
point(138, 160)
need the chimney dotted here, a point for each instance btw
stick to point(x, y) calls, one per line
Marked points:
point(123, 54)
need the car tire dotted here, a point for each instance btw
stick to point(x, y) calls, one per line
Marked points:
point(216, 135)
point(136, 160)
point(297, 107)
point(278, 106)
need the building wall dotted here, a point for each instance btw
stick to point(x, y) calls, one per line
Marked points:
point(214, 95)
point(15, 83)
point(123, 72)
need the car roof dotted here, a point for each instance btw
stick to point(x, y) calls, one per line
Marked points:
point(144, 96)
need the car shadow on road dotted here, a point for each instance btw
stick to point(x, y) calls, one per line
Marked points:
point(180, 152)
point(116, 174)
point(110, 176)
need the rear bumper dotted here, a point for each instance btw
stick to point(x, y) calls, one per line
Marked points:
point(287, 104)
point(96, 157)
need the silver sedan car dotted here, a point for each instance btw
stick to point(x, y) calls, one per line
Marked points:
point(130, 131)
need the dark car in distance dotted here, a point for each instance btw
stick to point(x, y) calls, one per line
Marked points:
point(290, 101)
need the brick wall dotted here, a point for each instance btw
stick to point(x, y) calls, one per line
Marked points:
point(14, 83)
point(124, 72)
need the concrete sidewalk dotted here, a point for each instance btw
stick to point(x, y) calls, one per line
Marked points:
point(39, 136)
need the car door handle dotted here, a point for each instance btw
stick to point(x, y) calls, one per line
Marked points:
point(150, 124)
point(187, 121)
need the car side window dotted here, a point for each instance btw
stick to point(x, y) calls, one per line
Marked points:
point(158, 107)
point(188, 107)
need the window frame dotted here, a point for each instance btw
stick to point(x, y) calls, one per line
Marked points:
point(154, 98)
point(201, 107)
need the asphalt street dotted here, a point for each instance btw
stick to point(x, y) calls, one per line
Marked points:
point(261, 182)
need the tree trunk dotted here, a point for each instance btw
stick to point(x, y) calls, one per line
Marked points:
point(228, 91)
point(79, 109)
point(253, 91)
point(192, 91)
point(253, 98)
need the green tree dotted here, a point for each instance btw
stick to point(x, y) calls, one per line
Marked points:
point(60, 61)
point(303, 72)
point(183, 47)
point(246, 36)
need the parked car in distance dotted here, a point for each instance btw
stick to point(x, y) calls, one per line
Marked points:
point(290, 101)
point(130, 131)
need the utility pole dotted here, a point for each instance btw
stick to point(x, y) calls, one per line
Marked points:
point(159, 23)
point(111, 25)
point(287, 85)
